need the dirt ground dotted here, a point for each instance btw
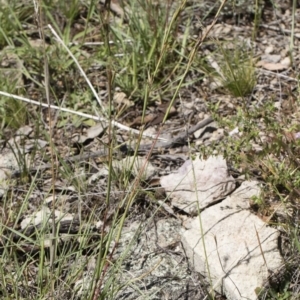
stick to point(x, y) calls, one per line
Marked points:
point(155, 260)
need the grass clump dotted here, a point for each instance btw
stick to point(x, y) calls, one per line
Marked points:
point(149, 53)
point(12, 15)
point(13, 113)
point(236, 72)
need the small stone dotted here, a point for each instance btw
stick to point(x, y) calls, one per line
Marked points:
point(269, 50)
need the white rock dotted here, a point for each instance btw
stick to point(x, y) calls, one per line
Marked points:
point(45, 215)
point(232, 236)
point(139, 166)
point(8, 163)
point(271, 58)
point(198, 182)
point(269, 50)
point(286, 61)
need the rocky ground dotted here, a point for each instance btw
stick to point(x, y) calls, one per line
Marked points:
point(89, 174)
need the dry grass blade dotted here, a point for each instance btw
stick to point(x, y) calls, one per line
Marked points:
point(102, 119)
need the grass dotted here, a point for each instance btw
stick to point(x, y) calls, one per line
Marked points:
point(237, 70)
point(149, 55)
